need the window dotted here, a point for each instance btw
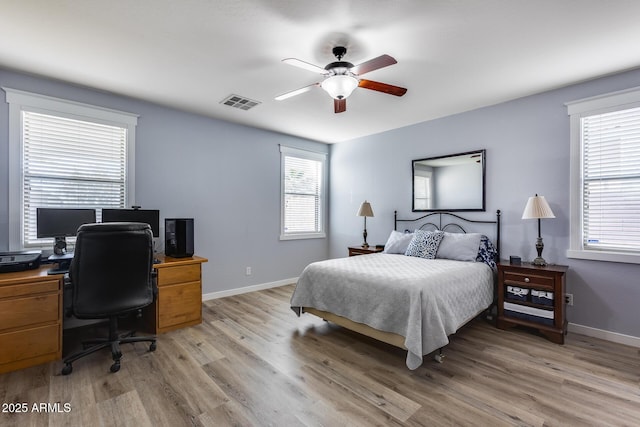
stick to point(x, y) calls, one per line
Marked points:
point(605, 177)
point(422, 184)
point(65, 155)
point(303, 200)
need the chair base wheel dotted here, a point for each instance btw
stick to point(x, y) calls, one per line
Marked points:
point(67, 369)
point(115, 367)
point(152, 346)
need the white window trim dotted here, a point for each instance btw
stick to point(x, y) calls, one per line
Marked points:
point(311, 155)
point(18, 101)
point(629, 98)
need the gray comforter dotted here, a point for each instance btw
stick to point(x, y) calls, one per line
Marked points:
point(423, 300)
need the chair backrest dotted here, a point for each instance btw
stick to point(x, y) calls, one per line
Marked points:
point(111, 270)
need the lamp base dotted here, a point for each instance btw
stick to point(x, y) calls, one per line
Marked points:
point(539, 247)
point(539, 261)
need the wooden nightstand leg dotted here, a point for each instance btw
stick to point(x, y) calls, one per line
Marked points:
point(556, 337)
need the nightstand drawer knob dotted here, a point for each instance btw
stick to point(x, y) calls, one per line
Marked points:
point(526, 280)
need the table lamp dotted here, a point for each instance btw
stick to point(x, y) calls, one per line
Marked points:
point(365, 211)
point(537, 208)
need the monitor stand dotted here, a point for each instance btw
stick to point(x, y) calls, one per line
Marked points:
point(64, 262)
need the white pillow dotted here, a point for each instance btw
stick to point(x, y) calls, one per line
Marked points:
point(397, 243)
point(459, 246)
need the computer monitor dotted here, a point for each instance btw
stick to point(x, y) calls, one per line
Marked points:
point(61, 223)
point(147, 216)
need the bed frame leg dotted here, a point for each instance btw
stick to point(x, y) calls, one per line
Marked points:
point(439, 357)
point(488, 314)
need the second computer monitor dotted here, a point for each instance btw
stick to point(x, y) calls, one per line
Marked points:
point(61, 223)
point(147, 216)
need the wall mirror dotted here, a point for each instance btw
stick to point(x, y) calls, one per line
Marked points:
point(455, 182)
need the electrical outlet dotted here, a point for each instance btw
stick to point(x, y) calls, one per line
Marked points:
point(568, 298)
point(248, 271)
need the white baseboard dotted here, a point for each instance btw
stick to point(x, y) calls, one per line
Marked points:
point(247, 289)
point(605, 335)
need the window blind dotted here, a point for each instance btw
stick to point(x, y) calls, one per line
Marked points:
point(611, 181)
point(70, 163)
point(302, 195)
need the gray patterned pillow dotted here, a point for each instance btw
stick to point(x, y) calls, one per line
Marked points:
point(424, 244)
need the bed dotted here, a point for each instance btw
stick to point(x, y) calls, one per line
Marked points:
point(413, 301)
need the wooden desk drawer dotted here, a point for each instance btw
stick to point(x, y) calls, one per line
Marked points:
point(179, 304)
point(178, 274)
point(18, 312)
point(529, 280)
point(29, 344)
point(29, 288)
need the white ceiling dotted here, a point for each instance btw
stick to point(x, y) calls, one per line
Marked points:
point(453, 55)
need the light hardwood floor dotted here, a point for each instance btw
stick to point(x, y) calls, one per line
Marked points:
point(253, 362)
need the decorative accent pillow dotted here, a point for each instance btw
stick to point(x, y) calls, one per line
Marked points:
point(487, 253)
point(397, 243)
point(424, 244)
point(459, 246)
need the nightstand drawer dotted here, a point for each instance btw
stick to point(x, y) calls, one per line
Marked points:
point(529, 280)
point(359, 250)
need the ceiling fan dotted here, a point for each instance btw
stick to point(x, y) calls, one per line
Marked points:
point(341, 78)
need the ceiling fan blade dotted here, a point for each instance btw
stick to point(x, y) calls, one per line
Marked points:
point(305, 65)
point(340, 105)
point(382, 87)
point(373, 64)
point(296, 92)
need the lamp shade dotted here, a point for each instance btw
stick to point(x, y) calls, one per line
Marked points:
point(537, 207)
point(365, 209)
point(339, 86)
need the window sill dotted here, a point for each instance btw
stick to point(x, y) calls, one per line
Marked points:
point(302, 236)
point(604, 256)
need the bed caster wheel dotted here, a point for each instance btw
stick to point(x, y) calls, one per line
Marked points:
point(152, 347)
point(115, 367)
point(67, 369)
point(439, 358)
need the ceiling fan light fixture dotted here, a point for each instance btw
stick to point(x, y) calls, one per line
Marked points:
point(342, 77)
point(339, 86)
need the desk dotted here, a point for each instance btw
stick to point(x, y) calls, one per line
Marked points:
point(31, 309)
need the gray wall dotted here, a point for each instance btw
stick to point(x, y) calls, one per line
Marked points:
point(527, 143)
point(225, 176)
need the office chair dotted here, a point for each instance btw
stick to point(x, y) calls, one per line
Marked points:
point(111, 275)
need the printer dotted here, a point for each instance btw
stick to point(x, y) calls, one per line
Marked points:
point(19, 260)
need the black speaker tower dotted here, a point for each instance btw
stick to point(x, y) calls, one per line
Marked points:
point(178, 237)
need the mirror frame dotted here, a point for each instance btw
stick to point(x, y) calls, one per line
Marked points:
point(482, 154)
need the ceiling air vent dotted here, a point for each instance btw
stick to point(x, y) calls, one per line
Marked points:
point(237, 101)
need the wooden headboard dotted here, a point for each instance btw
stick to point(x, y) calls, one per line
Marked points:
point(446, 221)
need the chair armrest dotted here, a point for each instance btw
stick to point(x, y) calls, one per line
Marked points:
point(67, 296)
point(154, 283)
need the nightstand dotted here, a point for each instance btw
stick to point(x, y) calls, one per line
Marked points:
point(359, 250)
point(533, 296)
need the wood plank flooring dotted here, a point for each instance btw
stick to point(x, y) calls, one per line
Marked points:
point(254, 363)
